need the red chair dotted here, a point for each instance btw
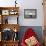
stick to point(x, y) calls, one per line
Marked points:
point(29, 33)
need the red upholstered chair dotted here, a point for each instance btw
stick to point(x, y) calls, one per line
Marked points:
point(28, 34)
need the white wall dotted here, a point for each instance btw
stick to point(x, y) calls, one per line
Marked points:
point(32, 4)
point(27, 4)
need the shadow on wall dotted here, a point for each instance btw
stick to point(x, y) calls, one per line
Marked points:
point(37, 29)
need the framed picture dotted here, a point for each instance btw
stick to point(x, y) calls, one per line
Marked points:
point(5, 12)
point(30, 13)
point(13, 12)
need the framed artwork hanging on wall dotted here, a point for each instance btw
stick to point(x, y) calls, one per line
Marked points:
point(30, 13)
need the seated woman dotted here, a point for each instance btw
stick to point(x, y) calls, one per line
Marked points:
point(30, 39)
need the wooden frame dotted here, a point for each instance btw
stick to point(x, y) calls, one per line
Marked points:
point(9, 11)
point(5, 24)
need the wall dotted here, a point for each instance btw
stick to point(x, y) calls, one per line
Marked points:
point(32, 4)
point(27, 4)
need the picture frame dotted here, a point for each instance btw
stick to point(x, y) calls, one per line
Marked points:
point(13, 12)
point(30, 13)
point(5, 12)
